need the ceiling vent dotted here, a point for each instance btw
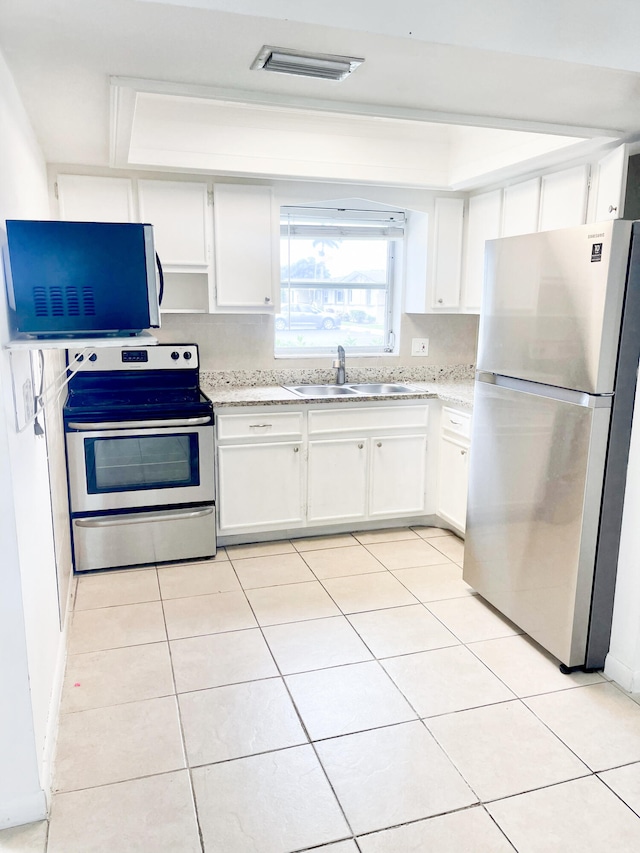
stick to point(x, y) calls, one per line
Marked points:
point(326, 66)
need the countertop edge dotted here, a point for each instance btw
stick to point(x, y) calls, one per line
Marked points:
point(459, 394)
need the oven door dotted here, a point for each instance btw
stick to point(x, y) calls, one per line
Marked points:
point(145, 465)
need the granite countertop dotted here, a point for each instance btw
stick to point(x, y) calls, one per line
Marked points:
point(455, 392)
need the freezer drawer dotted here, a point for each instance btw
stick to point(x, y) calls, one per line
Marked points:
point(140, 538)
point(535, 484)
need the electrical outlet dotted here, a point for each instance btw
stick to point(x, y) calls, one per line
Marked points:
point(419, 346)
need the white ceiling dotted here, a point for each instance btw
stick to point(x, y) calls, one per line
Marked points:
point(560, 66)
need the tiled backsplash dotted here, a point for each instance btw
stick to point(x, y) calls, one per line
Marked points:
point(295, 376)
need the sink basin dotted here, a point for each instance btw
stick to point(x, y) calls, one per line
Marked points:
point(322, 390)
point(383, 388)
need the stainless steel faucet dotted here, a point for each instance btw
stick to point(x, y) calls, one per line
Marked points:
point(339, 364)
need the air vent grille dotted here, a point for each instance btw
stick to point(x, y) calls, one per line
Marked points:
point(325, 66)
point(57, 302)
point(89, 302)
point(63, 302)
point(40, 302)
point(73, 303)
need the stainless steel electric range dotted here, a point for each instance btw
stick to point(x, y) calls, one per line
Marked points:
point(140, 457)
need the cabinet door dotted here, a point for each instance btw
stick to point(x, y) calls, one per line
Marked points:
point(416, 264)
point(483, 223)
point(453, 481)
point(244, 235)
point(260, 486)
point(84, 198)
point(447, 252)
point(178, 212)
point(398, 475)
point(563, 198)
point(611, 175)
point(337, 488)
point(520, 209)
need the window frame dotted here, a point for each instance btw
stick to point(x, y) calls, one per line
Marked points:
point(344, 223)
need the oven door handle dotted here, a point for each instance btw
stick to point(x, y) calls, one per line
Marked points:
point(141, 518)
point(173, 422)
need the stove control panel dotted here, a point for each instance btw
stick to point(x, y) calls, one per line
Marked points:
point(159, 357)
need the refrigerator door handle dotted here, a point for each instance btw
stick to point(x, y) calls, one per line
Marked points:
point(566, 395)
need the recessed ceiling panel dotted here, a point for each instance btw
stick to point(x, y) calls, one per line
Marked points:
point(152, 129)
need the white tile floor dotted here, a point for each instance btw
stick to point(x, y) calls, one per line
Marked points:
point(346, 694)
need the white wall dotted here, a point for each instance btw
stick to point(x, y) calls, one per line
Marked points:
point(30, 636)
point(623, 660)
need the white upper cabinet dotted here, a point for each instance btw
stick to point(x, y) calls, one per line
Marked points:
point(520, 208)
point(85, 198)
point(433, 277)
point(563, 198)
point(179, 214)
point(246, 235)
point(610, 179)
point(183, 233)
point(447, 252)
point(483, 223)
point(416, 258)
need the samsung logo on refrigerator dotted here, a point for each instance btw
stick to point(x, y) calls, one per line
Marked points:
point(77, 279)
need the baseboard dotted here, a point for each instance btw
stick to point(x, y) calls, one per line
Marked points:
point(623, 675)
point(430, 520)
point(51, 735)
point(25, 809)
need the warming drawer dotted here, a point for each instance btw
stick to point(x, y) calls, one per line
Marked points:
point(142, 538)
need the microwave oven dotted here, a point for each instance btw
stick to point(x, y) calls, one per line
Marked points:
point(76, 279)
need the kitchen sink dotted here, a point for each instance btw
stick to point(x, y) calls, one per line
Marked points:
point(381, 388)
point(322, 390)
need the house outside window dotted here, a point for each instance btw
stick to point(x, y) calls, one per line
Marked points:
point(338, 271)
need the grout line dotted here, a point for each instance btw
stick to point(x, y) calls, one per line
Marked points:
point(182, 735)
point(499, 828)
point(304, 726)
point(120, 781)
point(613, 790)
point(189, 768)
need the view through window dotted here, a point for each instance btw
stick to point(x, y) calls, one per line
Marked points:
point(337, 271)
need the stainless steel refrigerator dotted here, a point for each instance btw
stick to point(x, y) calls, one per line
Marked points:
point(557, 363)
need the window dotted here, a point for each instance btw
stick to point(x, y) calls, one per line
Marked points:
point(337, 272)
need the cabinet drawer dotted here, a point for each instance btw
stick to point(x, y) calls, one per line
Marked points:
point(362, 420)
point(454, 421)
point(268, 425)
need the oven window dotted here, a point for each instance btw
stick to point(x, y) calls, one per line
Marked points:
point(129, 463)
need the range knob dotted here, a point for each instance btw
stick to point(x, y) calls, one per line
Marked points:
point(175, 355)
point(93, 357)
point(187, 355)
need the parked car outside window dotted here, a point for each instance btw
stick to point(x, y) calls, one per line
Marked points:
point(306, 316)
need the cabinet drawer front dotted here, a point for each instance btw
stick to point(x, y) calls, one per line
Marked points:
point(456, 422)
point(260, 425)
point(369, 419)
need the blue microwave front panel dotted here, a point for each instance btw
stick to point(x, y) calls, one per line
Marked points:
point(81, 277)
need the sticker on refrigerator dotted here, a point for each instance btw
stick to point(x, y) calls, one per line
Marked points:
point(596, 253)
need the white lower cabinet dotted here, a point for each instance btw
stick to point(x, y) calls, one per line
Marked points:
point(337, 489)
point(453, 467)
point(398, 475)
point(260, 486)
point(452, 492)
point(320, 465)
